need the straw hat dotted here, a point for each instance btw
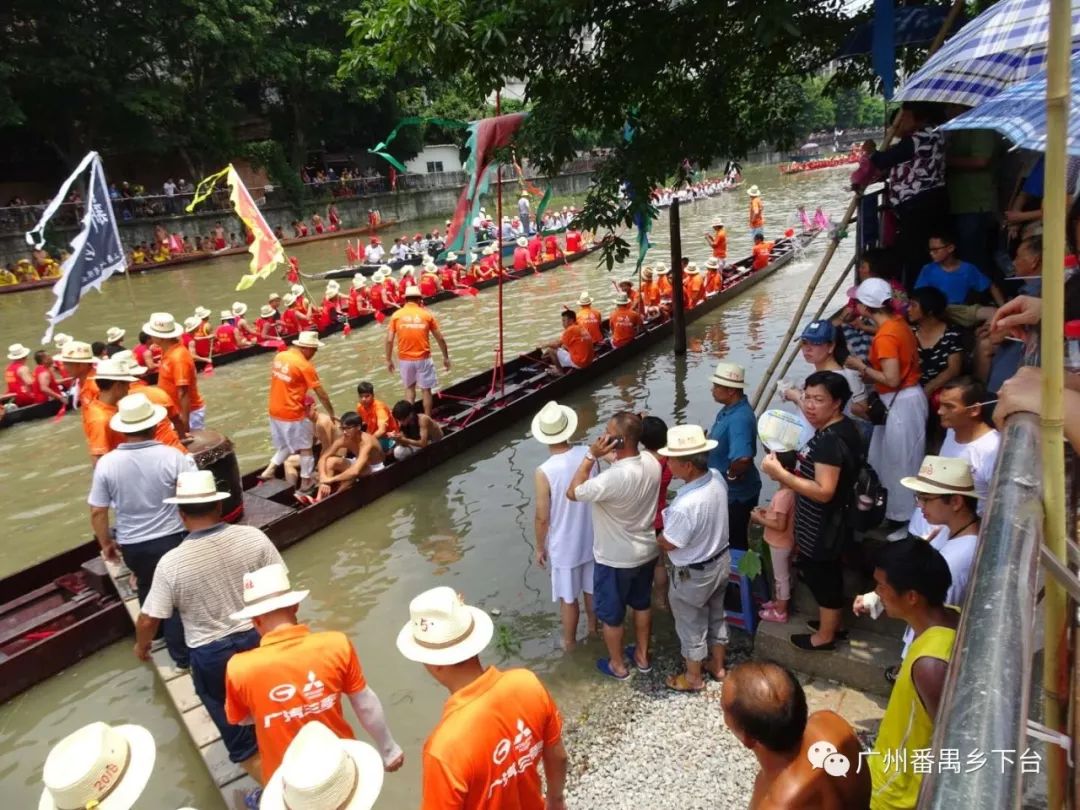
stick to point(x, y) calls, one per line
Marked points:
point(522, 241)
point(16, 351)
point(729, 375)
point(59, 339)
point(661, 269)
point(718, 223)
point(332, 288)
point(584, 299)
point(135, 413)
point(443, 630)
point(202, 313)
point(753, 191)
point(407, 269)
point(377, 277)
point(647, 271)
point(712, 263)
point(75, 351)
point(162, 325)
point(197, 486)
point(321, 770)
point(267, 590)
point(266, 311)
point(308, 340)
point(622, 299)
point(114, 334)
point(939, 475)
point(554, 424)
point(488, 250)
point(385, 269)
point(412, 291)
point(101, 766)
point(873, 293)
point(686, 440)
point(113, 370)
point(192, 323)
point(289, 299)
point(452, 257)
point(359, 280)
point(273, 297)
point(692, 269)
point(239, 309)
point(297, 290)
point(127, 358)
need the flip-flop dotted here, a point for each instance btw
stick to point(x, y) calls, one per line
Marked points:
point(630, 651)
point(604, 665)
point(679, 683)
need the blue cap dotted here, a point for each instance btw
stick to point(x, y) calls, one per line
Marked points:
point(819, 332)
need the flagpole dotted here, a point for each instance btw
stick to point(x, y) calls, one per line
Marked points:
point(499, 217)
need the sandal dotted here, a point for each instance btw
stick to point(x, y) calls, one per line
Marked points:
point(679, 683)
point(773, 615)
point(604, 665)
point(631, 654)
point(802, 641)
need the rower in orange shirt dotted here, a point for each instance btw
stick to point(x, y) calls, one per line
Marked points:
point(714, 279)
point(378, 419)
point(590, 318)
point(717, 240)
point(650, 291)
point(626, 287)
point(201, 348)
point(176, 374)
point(625, 322)
point(413, 326)
point(451, 272)
point(112, 380)
point(390, 295)
point(375, 294)
point(165, 430)
point(693, 286)
point(761, 252)
point(574, 348)
point(663, 281)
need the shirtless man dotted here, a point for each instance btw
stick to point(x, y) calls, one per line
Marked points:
point(765, 708)
point(415, 430)
point(326, 433)
point(362, 457)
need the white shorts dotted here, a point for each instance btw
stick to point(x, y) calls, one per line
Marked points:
point(568, 584)
point(563, 357)
point(418, 372)
point(292, 436)
point(197, 418)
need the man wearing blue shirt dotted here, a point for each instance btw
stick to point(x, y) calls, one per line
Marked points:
point(735, 433)
point(956, 279)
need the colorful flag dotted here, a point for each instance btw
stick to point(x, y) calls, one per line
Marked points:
point(96, 252)
point(265, 249)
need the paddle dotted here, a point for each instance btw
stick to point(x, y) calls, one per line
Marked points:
point(346, 329)
point(60, 413)
point(468, 292)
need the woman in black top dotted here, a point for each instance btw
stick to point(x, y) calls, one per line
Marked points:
point(941, 348)
point(823, 488)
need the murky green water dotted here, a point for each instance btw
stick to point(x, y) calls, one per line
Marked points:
point(467, 524)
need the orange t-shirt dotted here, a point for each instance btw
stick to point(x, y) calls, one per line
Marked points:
point(88, 391)
point(719, 244)
point(895, 340)
point(694, 289)
point(757, 213)
point(578, 342)
point(378, 415)
point(761, 252)
point(293, 677)
point(164, 432)
point(291, 377)
point(650, 292)
point(100, 438)
point(590, 319)
point(714, 281)
point(413, 324)
point(664, 284)
point(624, 325)
point(177, 370)
point(486, 750)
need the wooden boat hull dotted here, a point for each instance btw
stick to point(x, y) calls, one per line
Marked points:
point(350, 270)
point(474, 411)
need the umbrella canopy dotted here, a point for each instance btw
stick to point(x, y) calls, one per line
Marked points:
point(1019, 114)
point(1004, 45)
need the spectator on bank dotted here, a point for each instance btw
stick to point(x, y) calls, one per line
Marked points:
point(824, 349)
point(941, 347)
point(957, 279)
point(764, 706)
point(823, 484)
point(735, 432)
point(653, 437)
point(695, 537)
point(971, 181)
point(857, 330)
point(623, 499)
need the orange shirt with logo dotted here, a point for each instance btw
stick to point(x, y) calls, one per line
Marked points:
point(293, 677)
point(714, 282)
point(176, 371)
point(487, 749)
point(895, 340)
point(377, 415)
point(591, 319)
point(579, 344)
point(761, 253)
point(291, 377)
point(757, 213)
point(719, 244)
point(693, 290)
point(624, 325)
point(88, 391)
point(650, 293)
point(100, 438)
point(412, 324)
point(164, 431)
point(664, 284)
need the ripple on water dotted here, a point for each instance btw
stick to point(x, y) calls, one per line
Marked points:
point(41, 511)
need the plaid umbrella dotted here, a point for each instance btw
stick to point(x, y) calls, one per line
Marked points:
point(1019, 114)
point(1004, 45)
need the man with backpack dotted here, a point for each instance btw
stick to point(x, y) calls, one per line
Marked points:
point(824, 484)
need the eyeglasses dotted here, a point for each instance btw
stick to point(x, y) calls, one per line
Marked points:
point(939, 248)
point(922, 497)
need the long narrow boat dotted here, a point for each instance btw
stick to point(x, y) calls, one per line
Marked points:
point(367, 269)
point(36, 647)
point(44, 410)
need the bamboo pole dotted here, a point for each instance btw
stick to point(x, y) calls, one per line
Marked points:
point(1053, 358)
point(834, 243)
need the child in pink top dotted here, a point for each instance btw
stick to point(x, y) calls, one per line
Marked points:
point(777, 519)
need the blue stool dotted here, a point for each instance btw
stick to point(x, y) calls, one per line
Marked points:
point(746, 616)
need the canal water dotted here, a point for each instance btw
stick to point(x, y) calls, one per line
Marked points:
point(466, 524)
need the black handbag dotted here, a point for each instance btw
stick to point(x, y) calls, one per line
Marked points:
point(876, 409)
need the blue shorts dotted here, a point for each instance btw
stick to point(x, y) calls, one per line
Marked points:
point(616, 589)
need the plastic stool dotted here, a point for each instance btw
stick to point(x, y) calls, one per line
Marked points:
point(746, 616)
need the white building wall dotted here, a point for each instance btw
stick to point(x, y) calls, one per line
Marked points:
point(430, 158)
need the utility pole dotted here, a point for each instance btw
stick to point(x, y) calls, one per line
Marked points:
point(678, 314)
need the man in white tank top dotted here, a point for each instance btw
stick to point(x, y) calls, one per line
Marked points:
point(564, 533)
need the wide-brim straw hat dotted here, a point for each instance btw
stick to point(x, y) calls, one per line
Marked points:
point(266, 311)
point(75, 351)
point(202, 313)
point(385, 269)
point(452, 257)
point(192, 323)
point(443, 630)
point(239, 309)
point(227, 315)
point(686, 440)
point(60, 338)
point(718, 223)
point(712, 264)
point(554, 424)
point(754, 191)
point(940, 475)
point(75, 769)
point(273, 297)
point(297, 289)
point(359, 280)
point(489, 250)
point(289, 299)
point(661, 269)
point(412, 291)
point(112, 369)
point(320, 770)
point(622, 299)
point(114, 334)
point(16, 351)
point(308, 340)
point(522, 241)
point(267, 590)
point(692, 269)
point(332, 288)
point(162, 325)
point(196, 486)
point(729, 375)
point(584, 299)
point(135, 413)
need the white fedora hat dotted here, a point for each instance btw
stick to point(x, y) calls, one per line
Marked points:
point(661, 269)
point(308, 340)
point(407, 269)
point(359, 280)
point(940, 475)
point(135, 413)
point(289, 299)
point(692, 269)
point(377, 277)
point(297, 290)
point(16, 351)
point(100, 766)
point(522, 241)
point(192, 323)
point(127, 358)
point(114, 334)
point(202, 313)
point(197, 486)
point(443, 630)
point(554, 424)
point(451, 256)
point(489, 250)
point(111, 369)
point(332, 288)
point(60, 338)
point(712, 263)
point(622, 299)
point(75, 351)
point(385, 269)
point(647, 271)
point(753, 191)
point(718, 223)
point(686, 440)
point(729, 375)
point(273, 297)
point(239, 308)
point(584, 299)
point(266, 311)
point(320, 770)
point(412, 291)
point(162, 325)
point(266, 590)
point(227, 315)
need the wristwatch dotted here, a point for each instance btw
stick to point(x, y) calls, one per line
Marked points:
point(589, 456)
